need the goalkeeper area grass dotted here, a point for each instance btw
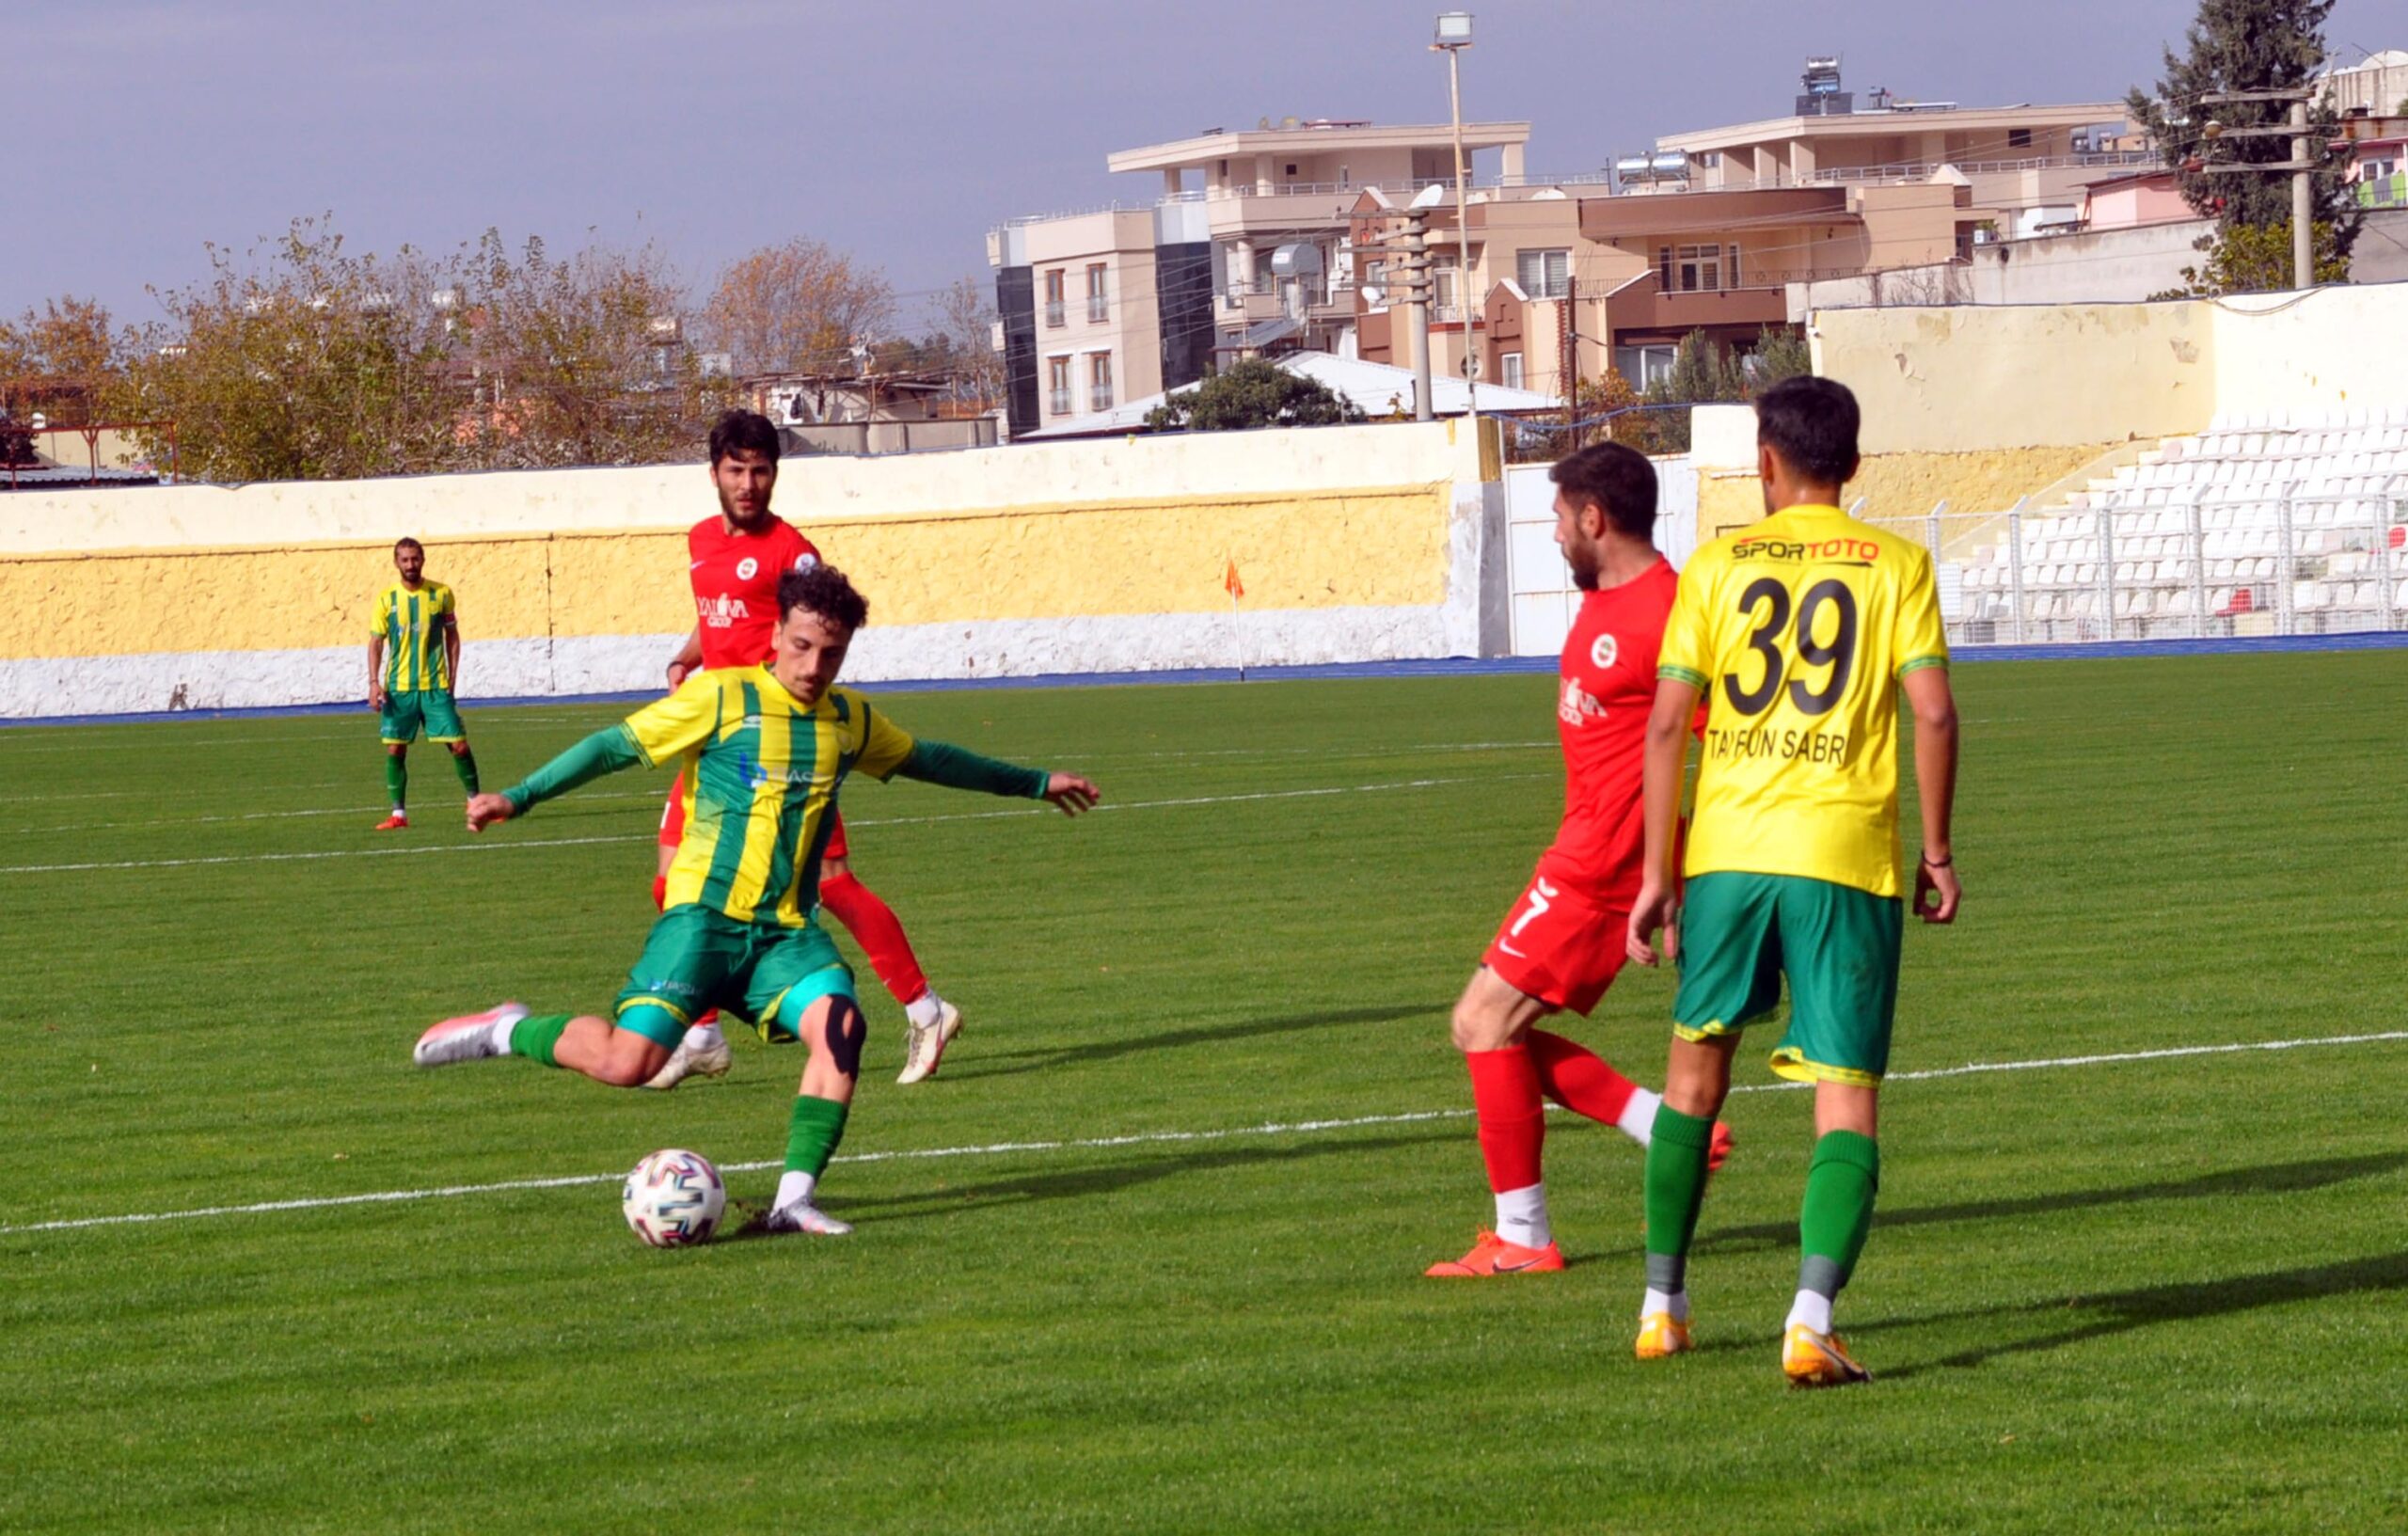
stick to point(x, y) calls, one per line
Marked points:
point(1146, 1253)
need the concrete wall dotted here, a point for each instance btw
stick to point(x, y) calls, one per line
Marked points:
point(2337, 346)
point(1967, 379)
point(1354, 543)
point(2105, 266)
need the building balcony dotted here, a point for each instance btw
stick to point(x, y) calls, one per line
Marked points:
point(1057, 403)
point(1643, 308)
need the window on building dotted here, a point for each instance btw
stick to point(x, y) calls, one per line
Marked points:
point(1508, 369)
point(1442, 288)
point(1292, 167)
point(1697, 269)
point(1099, 380)
point(1544, 274)
point(1345, 176)
point(2018, 138)
point(1099, 302)
point(1055, 313)
point(1644, 367)
point(1057, 386)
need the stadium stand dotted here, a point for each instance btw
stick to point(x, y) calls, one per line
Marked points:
point(2262, 524)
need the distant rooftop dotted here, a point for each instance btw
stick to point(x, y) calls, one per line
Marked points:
point(1317, 135)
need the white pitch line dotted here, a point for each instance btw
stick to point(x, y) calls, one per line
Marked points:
point(1145, 1138)
point(504, 843)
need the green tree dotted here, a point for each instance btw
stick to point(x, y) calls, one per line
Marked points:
point(1257, 392)
point(2239, 45)
point(2257, 259)
point(58, 359)
point(1782, 353)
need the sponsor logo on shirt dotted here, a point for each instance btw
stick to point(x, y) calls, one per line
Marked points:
point(721, 612)
point(1844, 551)
point(1575, 705)
point(750, 773)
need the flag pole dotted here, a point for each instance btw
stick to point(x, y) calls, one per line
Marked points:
point(1237, 631)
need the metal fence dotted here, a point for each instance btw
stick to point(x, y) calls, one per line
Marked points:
point(2272, 564)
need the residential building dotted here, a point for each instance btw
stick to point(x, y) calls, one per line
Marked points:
point(2133, 199)
point(2375, 87)
point(1616, 281)
point(2027, 163)
point(1112, 304)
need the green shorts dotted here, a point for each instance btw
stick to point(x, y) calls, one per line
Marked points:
point(431, 708)
point(696, 960)
point(1838, 945)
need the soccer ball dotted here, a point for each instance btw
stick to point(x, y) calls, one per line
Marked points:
point(674, 1199)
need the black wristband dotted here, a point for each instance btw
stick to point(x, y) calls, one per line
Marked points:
point(1930, 862)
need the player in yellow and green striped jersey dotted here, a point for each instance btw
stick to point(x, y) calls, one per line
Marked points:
point(412, 658)
point(764, 750)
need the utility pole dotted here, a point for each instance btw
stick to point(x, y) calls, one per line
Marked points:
point(1568, 344)
point(2303, 164)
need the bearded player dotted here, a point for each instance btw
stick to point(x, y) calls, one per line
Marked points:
point(735, 561)
point(1562, 944)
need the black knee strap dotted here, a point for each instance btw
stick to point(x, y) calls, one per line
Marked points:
point(847, 1031)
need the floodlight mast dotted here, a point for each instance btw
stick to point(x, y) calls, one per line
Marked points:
point(1453, 37)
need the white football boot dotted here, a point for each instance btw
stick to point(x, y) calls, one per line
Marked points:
point(691, 1060)
point(469, 1036)
point(803, 1216)
point(924, 1044)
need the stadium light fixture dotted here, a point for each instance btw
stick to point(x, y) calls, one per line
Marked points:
point(1454, 29)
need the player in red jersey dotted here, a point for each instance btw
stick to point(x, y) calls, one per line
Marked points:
point(735, 561)
point(1562, 943)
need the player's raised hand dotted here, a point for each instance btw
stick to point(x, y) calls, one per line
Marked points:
point(488, 808)
point(1937, 892)
point(1072, 794)
point(1651, 912)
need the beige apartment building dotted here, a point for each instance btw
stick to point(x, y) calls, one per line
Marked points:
point(1244, 248)
point(2028, 164)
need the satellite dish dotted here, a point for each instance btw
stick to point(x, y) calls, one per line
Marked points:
point(1373, 294)
point(1429, 197)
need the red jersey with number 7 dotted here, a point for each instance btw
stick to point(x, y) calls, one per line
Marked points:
point(1607, 689)
point(735, 585)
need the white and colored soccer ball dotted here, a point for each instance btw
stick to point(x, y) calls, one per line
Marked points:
point(674, 1198)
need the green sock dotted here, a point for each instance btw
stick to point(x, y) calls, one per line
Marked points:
point(812, 1136)
point(1841, 1180)
point(397, 779)
point(537, 1037)
point(465, 765)
point(1676, 1189)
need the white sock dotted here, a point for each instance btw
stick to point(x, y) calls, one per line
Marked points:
point(1677, 1303)
point(1637, 1117)
point(1521, 1217)
point(703, 1036)
point(500, 1034)
point(795, 1187)
point(1813, 1309)
point(925, 1009)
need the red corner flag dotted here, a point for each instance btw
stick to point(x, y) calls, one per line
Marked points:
point(1235, 587)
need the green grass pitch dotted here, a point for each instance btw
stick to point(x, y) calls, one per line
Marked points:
point(2161, 1294)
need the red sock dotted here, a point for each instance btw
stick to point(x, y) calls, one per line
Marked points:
point(1512, 1121)
point(879, 932)
point(1577, 1078)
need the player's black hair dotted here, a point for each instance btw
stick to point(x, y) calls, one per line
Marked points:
point(1812, 423)
point(405, 542)
point(825, 591)
point(1618, 479)
point(743, 432)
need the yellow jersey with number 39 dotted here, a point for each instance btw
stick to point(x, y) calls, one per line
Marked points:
point(1795, 632)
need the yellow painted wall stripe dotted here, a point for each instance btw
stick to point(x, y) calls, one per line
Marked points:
point(1378, 546)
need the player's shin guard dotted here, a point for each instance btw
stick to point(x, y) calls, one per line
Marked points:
point(1841, 1181)
point(537, 1037)
point(879, 932)
point(397, 779)
point(465, 765)
point(1676, 1158)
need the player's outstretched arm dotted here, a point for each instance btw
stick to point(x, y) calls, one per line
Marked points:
point(958, 767)
point(1669, 727)
point(1937, 890)
point(605, 751)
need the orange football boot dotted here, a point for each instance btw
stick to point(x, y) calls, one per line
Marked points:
point(1718, 1149)
point(397, 822)
point(1492, 1255)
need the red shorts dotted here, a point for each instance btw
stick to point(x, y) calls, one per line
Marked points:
point(1558, 946)
point(673, 822)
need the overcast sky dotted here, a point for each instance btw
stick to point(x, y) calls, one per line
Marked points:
point(897, 131)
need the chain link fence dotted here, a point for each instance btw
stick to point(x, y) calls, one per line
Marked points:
point(2271, 563)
